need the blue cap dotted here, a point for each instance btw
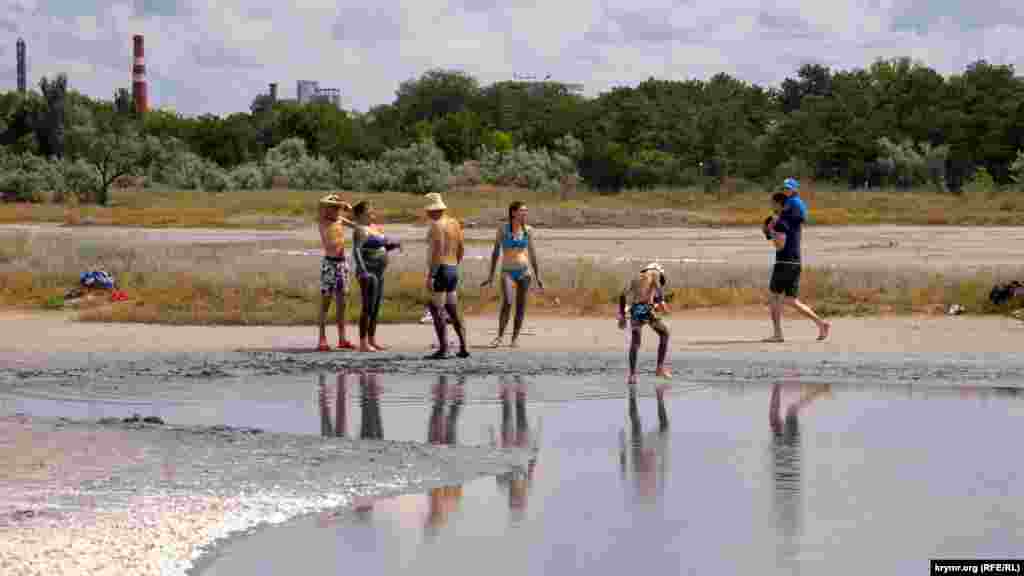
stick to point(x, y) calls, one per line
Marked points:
point(791, 184)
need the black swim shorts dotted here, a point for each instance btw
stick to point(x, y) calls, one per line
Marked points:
point(446, 278)
point(785, 279)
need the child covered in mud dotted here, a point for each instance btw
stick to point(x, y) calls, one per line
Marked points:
point(334, 268)
point(645, 297)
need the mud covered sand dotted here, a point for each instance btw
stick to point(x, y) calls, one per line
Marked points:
point(39, 339)
point(120, 498)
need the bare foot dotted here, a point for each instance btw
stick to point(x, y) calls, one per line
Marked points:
point(773, 339)
point(496, 342)
point(364, 347)
point(823, 330)
point(378, 347)
point(663, 373)
point(514, 344)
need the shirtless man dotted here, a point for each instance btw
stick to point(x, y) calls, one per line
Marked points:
point(645, 299)
point(445, 250)
point(334, 268)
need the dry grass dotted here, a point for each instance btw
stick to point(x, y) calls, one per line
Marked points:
point(487, 204)
point(197, 284)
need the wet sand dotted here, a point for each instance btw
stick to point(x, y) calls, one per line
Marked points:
point(119, 498)
point(38, 338)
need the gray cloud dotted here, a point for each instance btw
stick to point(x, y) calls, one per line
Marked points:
point(478, 5)
point(158, 7)
point(367, 25)
point(8, 25)
point(770, 23)
point(217, 54)
point(920, 15)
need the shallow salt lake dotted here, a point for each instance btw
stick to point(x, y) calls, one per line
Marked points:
point(779, 477)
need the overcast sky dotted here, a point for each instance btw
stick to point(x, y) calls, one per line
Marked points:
point(216, 55)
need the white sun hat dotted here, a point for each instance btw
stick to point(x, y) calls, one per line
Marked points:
point(434, 202)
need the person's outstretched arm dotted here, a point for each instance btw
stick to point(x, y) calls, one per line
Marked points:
point(533, 257)
point(495, 254)
point(358, 239)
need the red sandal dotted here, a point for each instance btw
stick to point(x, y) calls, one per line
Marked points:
point(323, 346)
point(346, 345)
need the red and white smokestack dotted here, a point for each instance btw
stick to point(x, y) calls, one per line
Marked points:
point(139, 76)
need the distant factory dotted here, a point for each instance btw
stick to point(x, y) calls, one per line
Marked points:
point(308, 92)
point(22, 69)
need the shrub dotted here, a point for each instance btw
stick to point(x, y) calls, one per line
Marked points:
point(981, 182)
point(26, 177)
point(367, 176)
point(213, 178)
point(247, 176)
point(536, 169)
point(80, 181)
point(312, 173)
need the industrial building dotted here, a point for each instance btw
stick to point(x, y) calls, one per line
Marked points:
point(307, 92)
point(139, 96)
point(22, 70)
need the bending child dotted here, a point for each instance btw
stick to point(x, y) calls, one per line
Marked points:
point(645, 297)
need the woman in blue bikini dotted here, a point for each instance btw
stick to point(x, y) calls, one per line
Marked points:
point(514, 242)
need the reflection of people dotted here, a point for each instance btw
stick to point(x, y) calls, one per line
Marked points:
point(516, 433)
point(514, 240)
point(442, 430)
point(649, 452)
point(445, 250)
point(787, 467)
point(371, 427)
point(645, 297)
point(340, 425)
point(785, 231)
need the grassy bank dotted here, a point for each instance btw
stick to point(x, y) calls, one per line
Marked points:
point(487, 204)
point(238, 285)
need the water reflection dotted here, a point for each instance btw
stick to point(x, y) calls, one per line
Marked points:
point(515, 433)
point(648, 452)
point(442, 428)
point(370, 426)
point(339, 427)
point(787, 467)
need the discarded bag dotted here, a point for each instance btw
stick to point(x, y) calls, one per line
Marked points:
point(1001, 293)
point(97, 279)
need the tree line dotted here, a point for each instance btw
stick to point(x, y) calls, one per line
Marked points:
point(895, 123)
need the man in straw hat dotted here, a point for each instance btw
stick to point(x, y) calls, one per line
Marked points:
point(645, 297)
point(445, 250)
point(334, 268)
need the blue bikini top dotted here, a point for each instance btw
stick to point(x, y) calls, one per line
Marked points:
point(511, 242)
point(374, 242)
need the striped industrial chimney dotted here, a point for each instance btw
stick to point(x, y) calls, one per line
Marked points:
point(139, 76)
point(21, 66)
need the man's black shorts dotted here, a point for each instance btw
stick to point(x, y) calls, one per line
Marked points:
point(446, 278)
point(785, 279)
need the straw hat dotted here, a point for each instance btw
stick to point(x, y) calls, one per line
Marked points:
point(434, 202)
point(333, 200)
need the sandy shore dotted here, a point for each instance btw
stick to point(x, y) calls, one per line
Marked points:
point(31, 338)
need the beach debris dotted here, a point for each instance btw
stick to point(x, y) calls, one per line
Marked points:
point(97, 279)
point(1001, 293)
point(955, 310)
